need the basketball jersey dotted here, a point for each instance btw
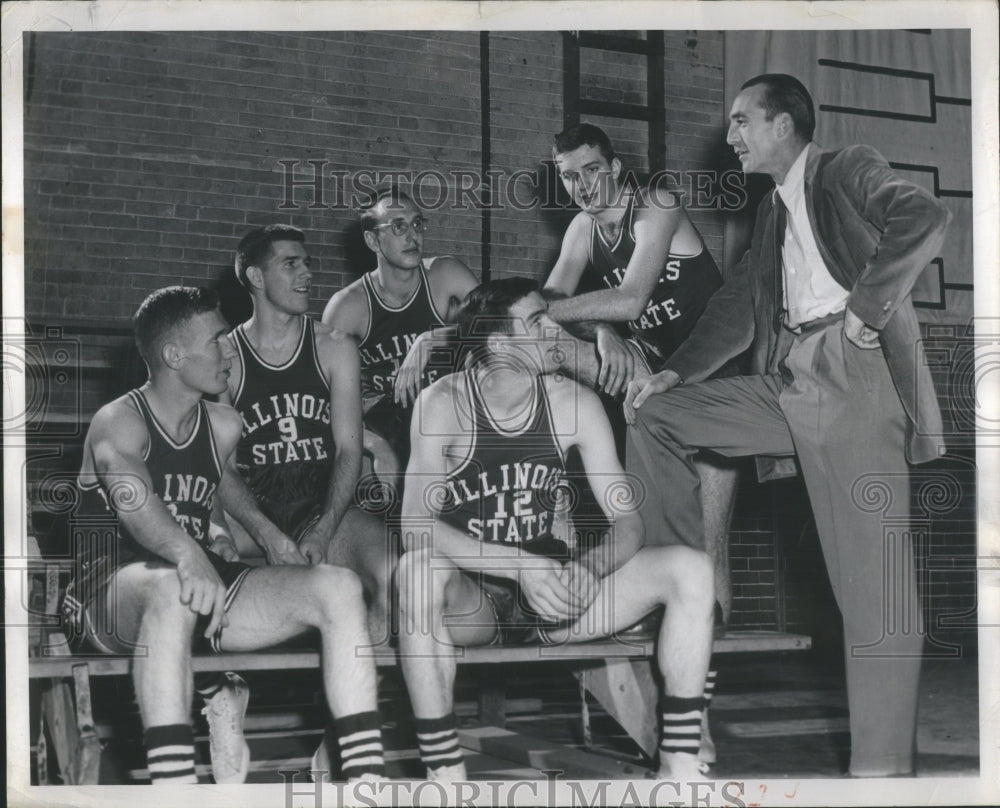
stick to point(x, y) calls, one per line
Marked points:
point(505, 490)
point(185, 476)
point(286, 449)
point(679, 297)
point(391, 333)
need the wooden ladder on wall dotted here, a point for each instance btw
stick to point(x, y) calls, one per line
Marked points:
point(653, 111)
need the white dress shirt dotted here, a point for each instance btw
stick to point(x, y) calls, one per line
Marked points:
point(810, 290)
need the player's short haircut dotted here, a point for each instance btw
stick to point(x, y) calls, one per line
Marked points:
point(255, 246)
point(784, 93)
point(369, 215)
point(165, 311)
point(584, 134)
point(486, 311)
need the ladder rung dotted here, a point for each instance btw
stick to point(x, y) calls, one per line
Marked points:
point(614, 42)
point(613, 109)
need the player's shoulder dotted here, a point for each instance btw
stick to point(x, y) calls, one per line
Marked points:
point(448, 269)
point(331, 340)
point(562, 390)
point(119, 414)
point(436, 397)
point(224, 418)
point(580, 225)
point(347, 309)
point(117, 427)
point(657, 202)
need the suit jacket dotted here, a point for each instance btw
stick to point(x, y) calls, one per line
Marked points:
point(876, 233)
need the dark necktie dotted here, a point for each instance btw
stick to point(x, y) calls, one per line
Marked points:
point(780, 225)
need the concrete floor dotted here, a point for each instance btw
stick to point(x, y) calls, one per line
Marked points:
point(786, 716)
point(773, 716)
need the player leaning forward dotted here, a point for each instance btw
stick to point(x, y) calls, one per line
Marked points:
point(159, 460)
point(488, 449)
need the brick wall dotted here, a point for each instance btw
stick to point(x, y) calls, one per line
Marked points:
point(526, 81)
point(148, 155)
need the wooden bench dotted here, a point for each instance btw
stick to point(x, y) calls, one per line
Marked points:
point(614, 671)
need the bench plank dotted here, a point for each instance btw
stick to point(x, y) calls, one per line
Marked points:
point(597, 652)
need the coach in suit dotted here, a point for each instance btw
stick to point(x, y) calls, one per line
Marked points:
point(822, 298)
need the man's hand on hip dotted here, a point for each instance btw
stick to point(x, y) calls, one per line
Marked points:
point(861, 335)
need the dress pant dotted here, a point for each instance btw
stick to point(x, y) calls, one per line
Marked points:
point(835, 406)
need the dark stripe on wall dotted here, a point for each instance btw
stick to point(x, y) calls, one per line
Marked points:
point(484, 103)
point(571, 79)
point(885, 71)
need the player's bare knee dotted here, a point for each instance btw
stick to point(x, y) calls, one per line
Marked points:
point(687, 574)
point(696, 581)
point(336, 587)
point(412, 574)
point(162, 605)
point(422, 577)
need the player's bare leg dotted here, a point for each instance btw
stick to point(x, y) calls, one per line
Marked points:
point(439, 608)
point(275, 604)
point(680, 579)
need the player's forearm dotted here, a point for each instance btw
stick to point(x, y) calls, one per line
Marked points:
point(340, 493)
point(611, 305)
point(156, 530)
point(239, 501)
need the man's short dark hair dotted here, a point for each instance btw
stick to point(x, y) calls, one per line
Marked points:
point(254, 247)
point(784, 93)
point(397, 198)
point(584, 134)
point(486, 311)
point(163, 312)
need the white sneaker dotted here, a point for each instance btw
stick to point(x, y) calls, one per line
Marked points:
point(448, 774)
point(682, 767)
point(225, 712)
point(320, 763)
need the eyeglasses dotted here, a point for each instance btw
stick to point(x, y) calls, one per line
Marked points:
point(400, 227)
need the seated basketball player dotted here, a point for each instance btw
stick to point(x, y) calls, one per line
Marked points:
point(155, 463)
point(487, 458)
point(296, 384)
point(393, 312)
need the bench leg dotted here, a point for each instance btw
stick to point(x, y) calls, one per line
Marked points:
point(627, 690)
point(57, 709)
point(87, 754)
point(71, 728)
point(42, 752)
point(588, 735)
point(492, 699)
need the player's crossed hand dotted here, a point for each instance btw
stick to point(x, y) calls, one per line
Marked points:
point(284, 551)
point(202, 589)
point(545, 591)
point(582, 585)
point(313, 545)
